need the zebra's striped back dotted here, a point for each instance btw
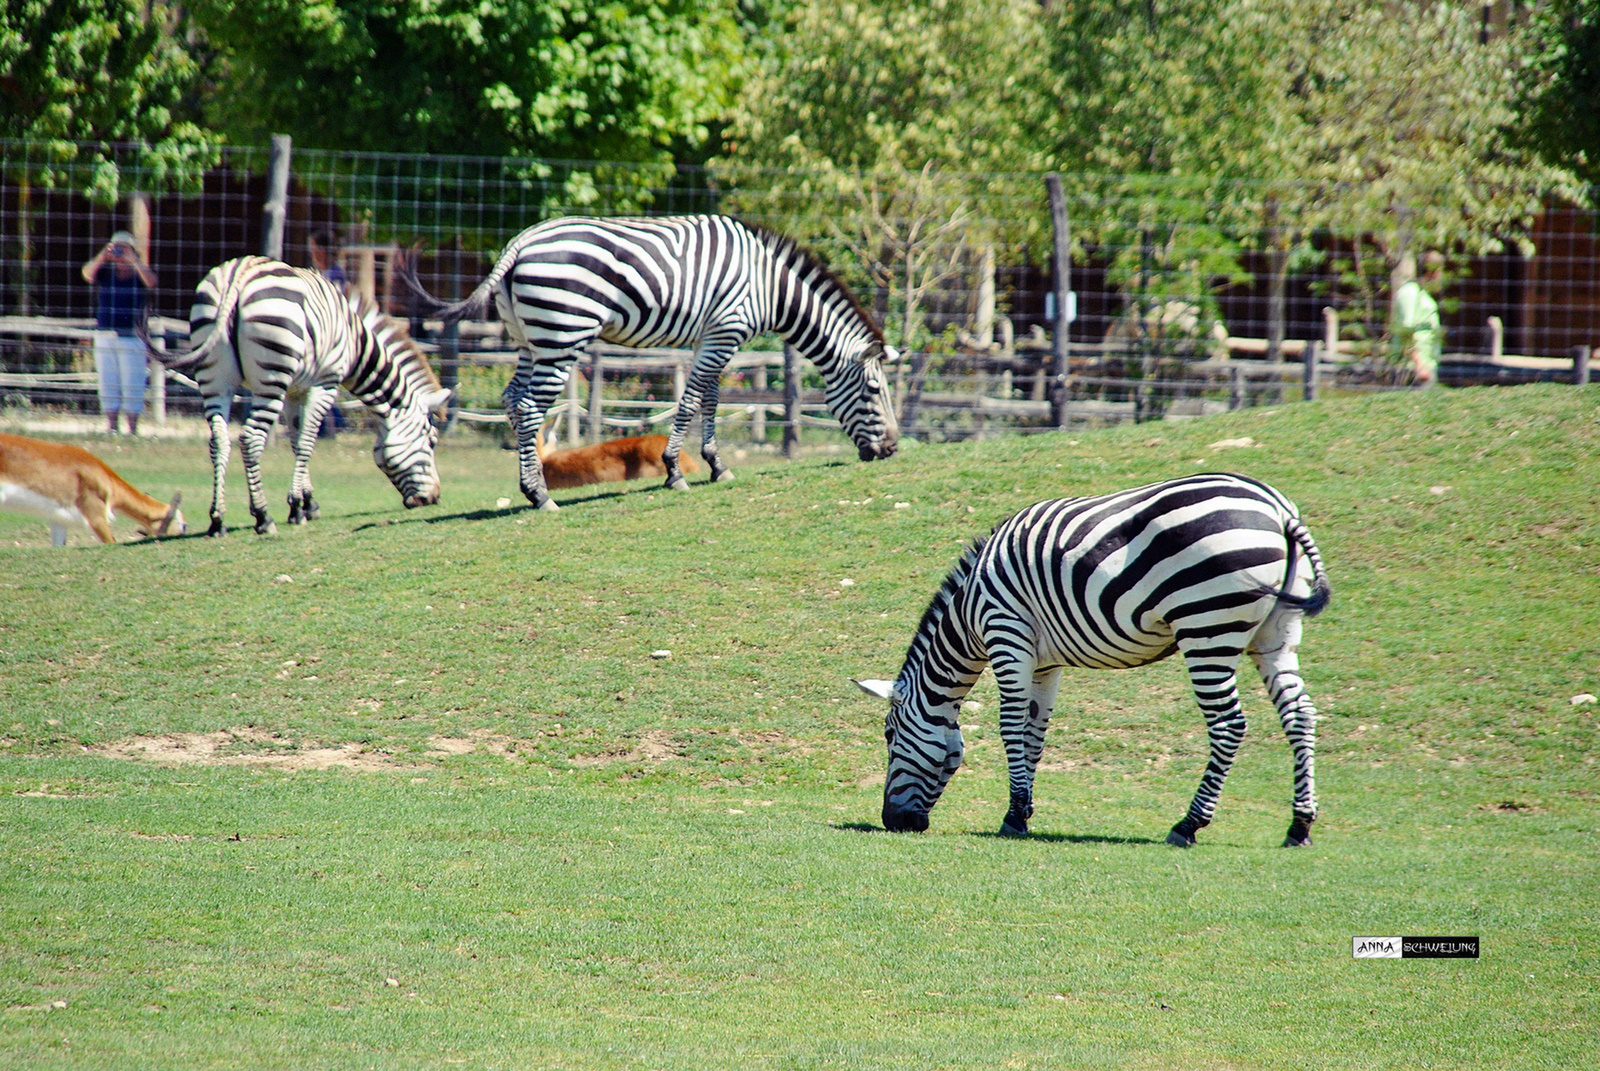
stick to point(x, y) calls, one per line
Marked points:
point(1208, 565)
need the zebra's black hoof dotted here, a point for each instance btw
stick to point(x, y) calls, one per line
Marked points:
point(1290, 842)
point(265, 526)
point(547, 506)
point(722, 475)
point(1010, 828)
point(1180, 840)
point(216, 530)
point(296, 514)
point(1299, 834)
point(313, 511)
point(677, 483)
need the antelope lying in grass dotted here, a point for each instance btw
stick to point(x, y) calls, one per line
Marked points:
point(612, 461)
point(68, 485)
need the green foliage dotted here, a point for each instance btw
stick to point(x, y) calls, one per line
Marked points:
point(81, 76)
point(1560, 85)
point(672, 862)
point(560, 79)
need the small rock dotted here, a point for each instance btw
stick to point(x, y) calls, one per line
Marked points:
point(847, 583)
point(663, 653)
point(58, 1004)
point(395, 982)
point(971, 705)
point(501, 503)
point(283, 578)
point(1583, 699)
point(1244, 443)
point(902, 505)
point(1438, 489)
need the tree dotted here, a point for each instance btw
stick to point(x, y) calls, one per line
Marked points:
point(570, 79)
point(94, 87)
point(1560, 86)
point(895, 132)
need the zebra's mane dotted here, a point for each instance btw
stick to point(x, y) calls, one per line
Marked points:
point(393, 336)
point(939, 606)
point(790, 251)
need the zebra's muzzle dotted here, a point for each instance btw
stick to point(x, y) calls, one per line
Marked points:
point(421, 499)
point(877, 453)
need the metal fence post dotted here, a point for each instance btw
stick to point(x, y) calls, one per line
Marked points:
point(791, 400)
point(758, 416)
point(1313, 355)
point(1061, 227)
point(276, 210)
point(1580, 365)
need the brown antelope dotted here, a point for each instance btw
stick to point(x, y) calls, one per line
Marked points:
point(612, 461)
point(68, 485)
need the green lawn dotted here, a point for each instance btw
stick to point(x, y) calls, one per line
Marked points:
point(409, 789)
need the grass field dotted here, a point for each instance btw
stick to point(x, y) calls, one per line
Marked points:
point(409, 789)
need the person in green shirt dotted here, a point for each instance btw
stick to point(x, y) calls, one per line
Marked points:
point(1417, 326)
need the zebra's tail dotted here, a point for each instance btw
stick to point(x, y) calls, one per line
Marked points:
point(1299, 537)
point(220, 330)
point(472, 307)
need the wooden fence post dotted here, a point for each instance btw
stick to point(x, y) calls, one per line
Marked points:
point(597, 375)
point(276, 209)
point(450, 367)
point(1061, 226)
point(574, 426)
point(1313, 355)
point(758, 419)
point(1330, 333)
point(1580, 365)
point(1497, 338)
point(791, 400)
point(1235, 387)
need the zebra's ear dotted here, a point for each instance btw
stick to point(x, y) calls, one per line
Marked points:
point(433, 400)
point(881, 689)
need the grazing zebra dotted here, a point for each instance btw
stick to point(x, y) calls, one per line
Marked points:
point(1204, 566)
point(707, 281)
point(287, 335)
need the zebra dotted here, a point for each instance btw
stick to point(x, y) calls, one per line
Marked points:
point(287, 335)
point(712, 282)
point(1203, 565)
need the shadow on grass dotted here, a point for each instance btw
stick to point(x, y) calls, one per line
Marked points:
point(1047, 838)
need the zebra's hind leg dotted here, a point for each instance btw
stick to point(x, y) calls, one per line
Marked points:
point(305, 418)
point(220, 447)
point(1275, 652)
point(708, 433)
point(1213, 673)
point(527, 398)
point(252, 442)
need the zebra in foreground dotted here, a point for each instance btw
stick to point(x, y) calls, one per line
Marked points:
point(710, 282)
point(1204, 566)
point(287, 335)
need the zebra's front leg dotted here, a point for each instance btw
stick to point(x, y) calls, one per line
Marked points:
point(305, 420)
point(680, 427)
point(1023, 719)
point(252, 443)
point(1214, 678)
point(1275, 653)
point(527, 399)
point(220, 448)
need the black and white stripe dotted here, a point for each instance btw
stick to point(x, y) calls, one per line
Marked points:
point(1206, 566)
point(290, 337)
point(710, 282)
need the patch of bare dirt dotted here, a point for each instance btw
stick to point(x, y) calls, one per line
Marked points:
point(478, 740)
point(654, 746)
point(248, 747)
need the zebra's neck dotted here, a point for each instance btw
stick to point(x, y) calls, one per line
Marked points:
point(382, 375)
point(945, 658)
point(811, 309)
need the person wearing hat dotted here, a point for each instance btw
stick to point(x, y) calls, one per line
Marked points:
point(122, 285)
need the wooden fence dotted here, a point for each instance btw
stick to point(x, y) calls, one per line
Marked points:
point(968, 393)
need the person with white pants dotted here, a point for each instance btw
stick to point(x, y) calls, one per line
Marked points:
point(122, 285)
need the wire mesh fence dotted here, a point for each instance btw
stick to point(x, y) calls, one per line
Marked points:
point(1177, 300)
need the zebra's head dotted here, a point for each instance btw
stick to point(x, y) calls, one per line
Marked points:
point(925, 750)
point(404, 451)
point(858, 395)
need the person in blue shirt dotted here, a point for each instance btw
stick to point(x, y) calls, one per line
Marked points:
point(123, 282)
